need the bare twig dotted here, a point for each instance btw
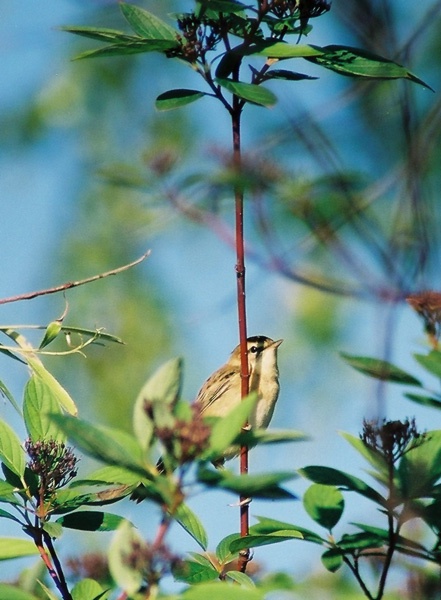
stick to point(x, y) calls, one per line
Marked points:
point(72, 284)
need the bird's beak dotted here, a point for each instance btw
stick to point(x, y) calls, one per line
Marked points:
point(277, 343)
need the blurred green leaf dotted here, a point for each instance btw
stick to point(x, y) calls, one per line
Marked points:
point(161, 391)
point(380, 369)
point(127, 576)
point(16, 548)
point(424, 400)
point(89, 520)
point(220, 590)
point(113, 446)
point(431, 362)
point(7, 394)
point(253, 437)
point(324, 504)
point(248, 91)
point(330, 476)
point(420, 468)
point(177, 98)
point(361, 63)
point(256, 486)
point(241, 578)
point(11, 451)
point(40, 401)
point(52, 331)
point(10, 592)
point(147, 25)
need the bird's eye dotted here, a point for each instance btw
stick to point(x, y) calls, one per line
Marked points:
point(254, 349)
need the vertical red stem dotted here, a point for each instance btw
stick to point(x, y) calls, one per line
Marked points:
point(241, 307)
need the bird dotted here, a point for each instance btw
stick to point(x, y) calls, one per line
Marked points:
point(221, 392)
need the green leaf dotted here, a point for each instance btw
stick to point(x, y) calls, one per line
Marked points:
point(108, 476)
point(324, 504)
point(220, 590)
point(10, 592)
point(52, 331)
point(16, 548)
point(54, 530)
point(424, 400)
point(332, 560)
point(106, 444)
point(253, 437)
point(431, 362)
point(241, 578)
point(361, 63)
point(403, 544)
point(87, 589)
point(270, 526)
point(68, 500)
point(283, 50)
point(360, 541)
point(223, 550)
point(128, 48)
point(90, 520)
point(7, 394)
point(420, 468)
point(330, 476)
point(177, 98)
point(255, 541)
point(163, 388)
point(99, 33)
point(57, 390)
point(287, 75)
point(194, 571)
point(220, 6)
point(255, 94)
point(6, 515)
point(192, 524)
point(126, 575)
point(147, 25)
point(256, 486)
point(224, 431)
point(11, 451)
point(380, 369)
point(39, 401)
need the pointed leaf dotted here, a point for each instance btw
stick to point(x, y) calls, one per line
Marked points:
point(324, 504)
point(177, 98)
point(52, 331)
point(7, 394)
point(192, 524)
point(255, 541)
point(273, 526)
point(287, 75)
point(425, 400)
point(330, 476)
point(39, 401)
point(147, 25)
point(380, 369)
point(374, 458)
point(255, 94)
point(256, 486)
point(90, 520)
point(361, 63)
point(194, 571)
point(431, 362)
point(128, 48)
point(224, 554)
point(99, 33)
point(57, 390)
point(11, 451)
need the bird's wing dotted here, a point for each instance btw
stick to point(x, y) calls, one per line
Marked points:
point(211, 392)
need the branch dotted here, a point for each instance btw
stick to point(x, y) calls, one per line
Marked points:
point(71, 284)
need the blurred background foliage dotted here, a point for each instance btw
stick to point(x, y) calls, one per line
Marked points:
point(341, 182)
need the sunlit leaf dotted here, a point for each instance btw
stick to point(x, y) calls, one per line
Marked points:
point(221, 590)
point(224, 553)
point(256, 486)
point(40, 401)
point(7, 394)
point(431, 362)
point(197, 570)
point(380, 369)
point(11, 451)
point(16, 547)
point(88, 589)
point(269, 526)
point(10, 592)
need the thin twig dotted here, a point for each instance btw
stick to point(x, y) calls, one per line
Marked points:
point(72, 284)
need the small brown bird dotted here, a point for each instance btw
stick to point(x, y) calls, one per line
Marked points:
point(222, 390)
